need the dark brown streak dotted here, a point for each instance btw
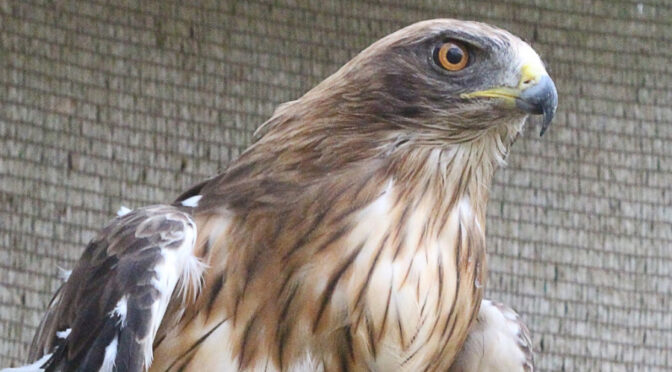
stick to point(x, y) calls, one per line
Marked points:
point(206, 248)
point(283, 334)
point(418, 328)
point(445, 216)
point(348, 342)
point(288, 302)
point(343, 360)
point(438, 163)
point(467, 237)
point(346, 212)
point(452, 328)
point(279, 228)
point(408, 272)
point(252, 267)
point(370, 332)
point(417, 290)
point(196, 344)
point(332, 238)
point(401, 231)
point(243, 217)
point(478, 263)
point(194, 314)
point(331, 285)
point(424, 303)
point(414, 353)
point(417, 331)
point(458, 271)
point(359, 315)
point(288, 277)
point(283, 331)
point(360, 295)
point(159, 340)
point(451, 202)
point(452, 317)
point(305, 237)
point(423, 236)
point(473, 316)
point(387, 309)
point(480, 158)
point(440, 271)
point(443, 333)
point(216, 288)
point(457, 285)
point(468, 244)
point(399, 326)
point(235, 308)
point(320, 217)
point(242, 364)
point(184, 365)
point(361, 187)
point(464, 177)
point(458, 247)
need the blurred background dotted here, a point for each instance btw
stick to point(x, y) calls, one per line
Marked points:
point(104, 103)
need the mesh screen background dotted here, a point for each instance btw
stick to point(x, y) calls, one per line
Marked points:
point(129, 102)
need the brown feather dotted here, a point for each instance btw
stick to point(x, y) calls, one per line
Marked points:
point(305, 255)
point(350, 236)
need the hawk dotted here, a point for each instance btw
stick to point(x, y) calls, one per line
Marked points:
point(349, 236)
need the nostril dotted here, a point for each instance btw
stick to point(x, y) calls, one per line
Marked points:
point(528, 81)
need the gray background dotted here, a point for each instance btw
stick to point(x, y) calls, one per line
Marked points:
point(128, 102)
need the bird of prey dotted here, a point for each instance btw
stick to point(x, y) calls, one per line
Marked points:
point(349, 236)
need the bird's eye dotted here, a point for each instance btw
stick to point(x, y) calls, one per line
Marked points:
point(451, 56)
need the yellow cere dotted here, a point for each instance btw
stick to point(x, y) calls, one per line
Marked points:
point(530, 73)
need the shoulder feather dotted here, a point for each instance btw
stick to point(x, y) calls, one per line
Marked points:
point(108, 311)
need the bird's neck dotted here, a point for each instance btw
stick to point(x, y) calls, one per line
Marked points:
point(452, 173)
point(446, 172)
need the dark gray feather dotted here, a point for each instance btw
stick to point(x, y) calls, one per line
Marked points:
point(119, 263)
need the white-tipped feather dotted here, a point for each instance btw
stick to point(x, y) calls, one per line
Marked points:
point(35, 367)
point(122, 211)
point(64, 274)
point(192, 201)
point(64, 334)
point(110, 356)
point(120, 311)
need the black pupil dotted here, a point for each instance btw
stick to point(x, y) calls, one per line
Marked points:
point(454, 55)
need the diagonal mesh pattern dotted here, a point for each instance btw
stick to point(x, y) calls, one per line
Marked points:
point(128, 102)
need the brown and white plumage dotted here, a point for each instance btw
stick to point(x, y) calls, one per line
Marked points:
point(110, 308)
point(498, 341)
point(350, 236)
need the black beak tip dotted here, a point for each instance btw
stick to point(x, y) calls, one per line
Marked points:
point(548, 117)
point(540, 99)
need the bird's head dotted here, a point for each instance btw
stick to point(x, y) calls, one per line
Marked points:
point(455, 78)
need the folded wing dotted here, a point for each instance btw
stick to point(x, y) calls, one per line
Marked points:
point(107, 314)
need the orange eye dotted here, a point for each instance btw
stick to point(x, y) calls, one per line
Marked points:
point(451, 56)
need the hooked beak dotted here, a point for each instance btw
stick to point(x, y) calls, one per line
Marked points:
point(540, 99)
point(535, 94)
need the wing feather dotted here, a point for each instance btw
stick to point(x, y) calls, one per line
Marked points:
point(107, 313)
